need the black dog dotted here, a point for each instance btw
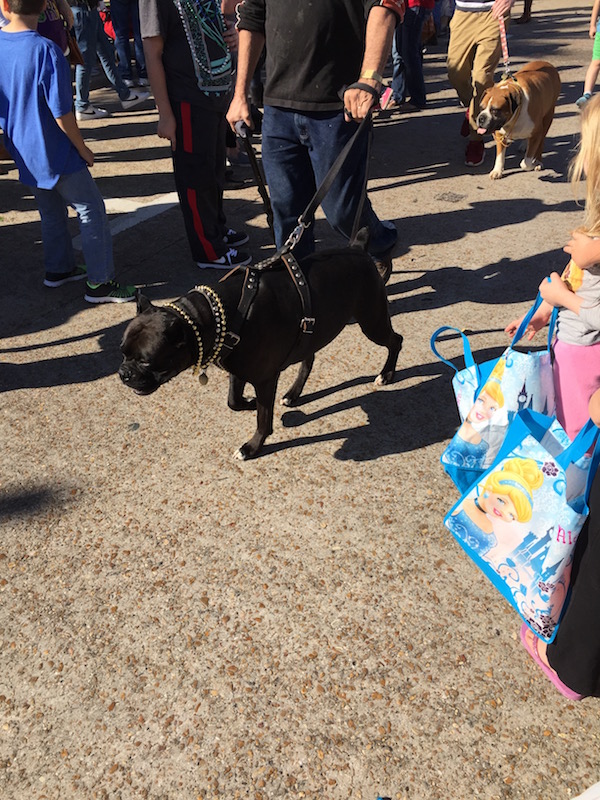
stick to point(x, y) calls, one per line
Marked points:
point(162, 342)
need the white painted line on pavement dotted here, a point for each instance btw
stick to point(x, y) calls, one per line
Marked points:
point(131, 212)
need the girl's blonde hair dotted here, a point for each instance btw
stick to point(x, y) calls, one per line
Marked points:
point(518, 478)
point(587, 164)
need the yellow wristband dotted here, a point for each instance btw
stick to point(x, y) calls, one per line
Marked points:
point(371, 75)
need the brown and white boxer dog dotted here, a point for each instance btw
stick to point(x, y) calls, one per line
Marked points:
point(520, 107)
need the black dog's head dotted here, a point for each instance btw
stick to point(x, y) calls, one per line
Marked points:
point(156, 346)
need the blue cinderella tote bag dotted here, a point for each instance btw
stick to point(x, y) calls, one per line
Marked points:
point(520, 521)
point(499, 389)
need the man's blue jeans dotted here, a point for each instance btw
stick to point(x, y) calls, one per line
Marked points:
point(93, 41)
point(79, 191)
point(407, 78)
point(297, 150)
point(123, 13)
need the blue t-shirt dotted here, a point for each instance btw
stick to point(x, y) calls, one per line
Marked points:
point(35, 89)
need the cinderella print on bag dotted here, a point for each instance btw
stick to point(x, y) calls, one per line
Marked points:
point(520, 521)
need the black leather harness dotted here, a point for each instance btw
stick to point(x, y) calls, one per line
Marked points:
point(285, 254)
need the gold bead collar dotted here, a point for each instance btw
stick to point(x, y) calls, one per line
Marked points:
point(220, 318)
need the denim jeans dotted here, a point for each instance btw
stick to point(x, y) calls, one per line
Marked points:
point(407, 78)
point(123, 14)
point(297, 150)
point(93, 41)
point(79, 191)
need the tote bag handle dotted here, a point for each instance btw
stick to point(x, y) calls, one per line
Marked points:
point(585, 439)
point(469, 361)
point(521, 330)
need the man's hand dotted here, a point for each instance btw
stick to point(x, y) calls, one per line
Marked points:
point(501, 8)
point(239, 109)
point(358, 103)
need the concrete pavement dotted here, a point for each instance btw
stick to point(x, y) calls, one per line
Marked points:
point(177, 625)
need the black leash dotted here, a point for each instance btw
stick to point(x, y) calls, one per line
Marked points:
point(244, 133)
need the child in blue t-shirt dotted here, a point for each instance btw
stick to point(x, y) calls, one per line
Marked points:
point(41, 134)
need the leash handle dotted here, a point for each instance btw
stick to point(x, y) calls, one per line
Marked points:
point(504, 44)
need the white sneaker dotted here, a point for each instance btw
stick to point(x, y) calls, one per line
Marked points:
point(91, 112)
point(134, 99)
point(232, 258)
point(143, 82)
point(128, 82)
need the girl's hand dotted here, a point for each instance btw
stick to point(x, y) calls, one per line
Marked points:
point(584, 250)
point(554, 290)
point(513, 326)
point(538, 321)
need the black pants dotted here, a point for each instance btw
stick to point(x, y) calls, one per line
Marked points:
point(575, 653)
point(199, 167)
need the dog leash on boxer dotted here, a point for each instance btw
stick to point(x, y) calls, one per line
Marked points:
point(503, 41)
point(507, 76)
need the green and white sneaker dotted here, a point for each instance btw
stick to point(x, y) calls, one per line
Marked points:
point(111, 292)
point(54, 279)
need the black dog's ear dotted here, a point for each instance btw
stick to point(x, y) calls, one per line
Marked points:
point(361, 240)
point(143, 304)
point(175, 333)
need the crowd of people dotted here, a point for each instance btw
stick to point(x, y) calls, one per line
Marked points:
point(323, 77)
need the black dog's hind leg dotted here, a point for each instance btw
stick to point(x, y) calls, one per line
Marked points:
point(295, 390)
point(235, 399)
point(265, 400)
point(374, 320)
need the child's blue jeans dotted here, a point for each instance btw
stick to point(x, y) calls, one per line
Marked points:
point(79, 191)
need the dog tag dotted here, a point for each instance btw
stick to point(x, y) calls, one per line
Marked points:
point(203, 378)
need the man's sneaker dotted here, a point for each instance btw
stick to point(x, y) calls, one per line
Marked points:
point(232, 258)
point(582, 100)
point(465, 128)
point(111, 292)
point(91, 112)
point(234, 239)
point(54, 279)
point(134, 99)
point(143, 82)
point(129, 82)
point(474, 154)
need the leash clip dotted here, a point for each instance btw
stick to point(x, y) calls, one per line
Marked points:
point(294, 236)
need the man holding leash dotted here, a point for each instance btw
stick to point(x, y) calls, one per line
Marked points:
point(474, 51)
point(312, 53)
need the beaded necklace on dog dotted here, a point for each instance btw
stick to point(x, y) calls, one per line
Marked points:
point(218, 312)
point(204, 27)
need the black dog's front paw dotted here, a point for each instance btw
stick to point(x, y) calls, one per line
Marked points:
point(245, 452)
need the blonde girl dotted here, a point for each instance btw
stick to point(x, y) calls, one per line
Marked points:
point(577, 294)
